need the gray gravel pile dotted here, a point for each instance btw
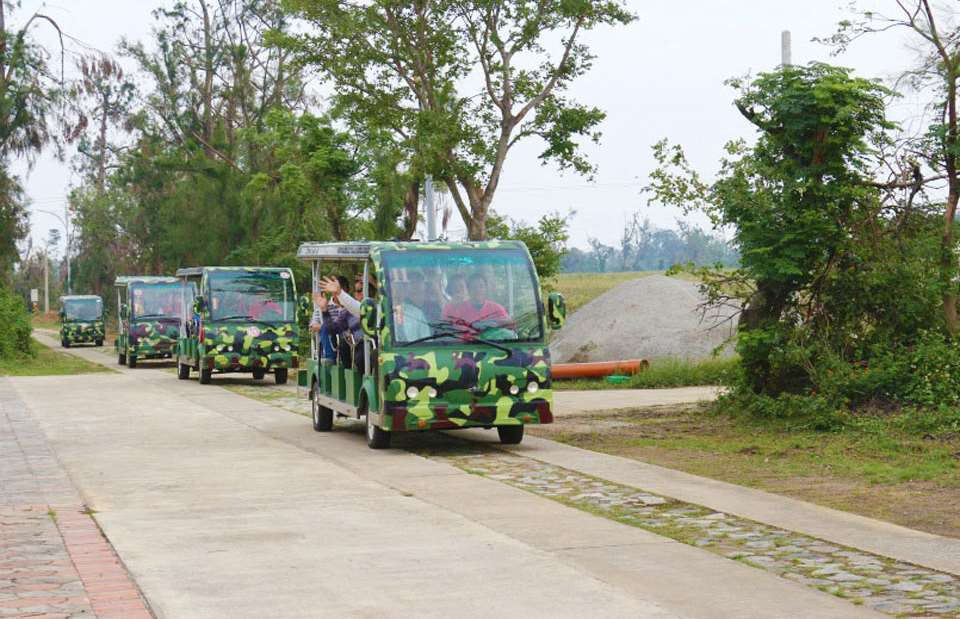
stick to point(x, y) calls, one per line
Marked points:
point(648, 318)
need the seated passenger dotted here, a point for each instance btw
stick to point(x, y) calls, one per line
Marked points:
point(457, 289)
point(478, 312)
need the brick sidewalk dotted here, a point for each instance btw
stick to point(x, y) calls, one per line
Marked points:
point(54, 561)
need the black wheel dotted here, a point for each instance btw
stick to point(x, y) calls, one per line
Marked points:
point(510, 435)
point(205, 376)
point(131, 361)
point(377, 438)
point(322, 416)
point(122, 359)
point(259, 374)
point(98, 343)
point(183, 370)
point(66, 343)
point(280, 375)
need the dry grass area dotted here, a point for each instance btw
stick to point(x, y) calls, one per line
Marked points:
point(910, 480)
point(581, 288)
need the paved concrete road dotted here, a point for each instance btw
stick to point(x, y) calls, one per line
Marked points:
point(570, 403)
point(221, 506)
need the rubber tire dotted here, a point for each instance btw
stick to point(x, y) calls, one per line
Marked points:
point(322, 416)
point(205, 376)
point(131, 361)
point(280, 375)
point(183, 371)
point(98, 343)
point(377, 438)
point(259, 374)
point(510, 435)
point(122, 359)
point(66, 343)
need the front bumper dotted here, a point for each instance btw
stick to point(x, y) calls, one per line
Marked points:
point(412, 415)
point(239, 362)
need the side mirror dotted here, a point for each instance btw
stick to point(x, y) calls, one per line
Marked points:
point(368, 317)
point(556, 310)
point(124, 310)
point(304, 308)
point(199, 304)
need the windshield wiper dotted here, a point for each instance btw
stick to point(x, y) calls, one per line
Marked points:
point(459, 335)
point(244, 317)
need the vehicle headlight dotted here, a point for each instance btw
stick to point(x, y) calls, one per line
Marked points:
point(432, 392)
point(230, 348)
point(276, 349)
point(533, 387)
point(286, 348)
point(514, 389)
point(412, 392)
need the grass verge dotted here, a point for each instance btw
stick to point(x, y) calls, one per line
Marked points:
point(48, 362)
point(665, 373)
point(874, 469)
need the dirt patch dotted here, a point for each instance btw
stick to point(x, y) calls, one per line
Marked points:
point(910, 482)
point(652, 317)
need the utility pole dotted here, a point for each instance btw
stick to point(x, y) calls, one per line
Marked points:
point(66, 253)
point(786, 51)
point(46, 282)
point(431, 209)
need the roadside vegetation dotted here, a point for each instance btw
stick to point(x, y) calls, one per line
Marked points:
point(47, 362)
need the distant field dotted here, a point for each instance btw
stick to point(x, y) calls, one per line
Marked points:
point(580, 288)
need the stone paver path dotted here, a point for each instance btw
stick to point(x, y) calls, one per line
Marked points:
point(877, 582)
point(54, 561)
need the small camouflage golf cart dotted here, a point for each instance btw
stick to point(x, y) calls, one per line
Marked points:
point(81, 320)
point(454, 335)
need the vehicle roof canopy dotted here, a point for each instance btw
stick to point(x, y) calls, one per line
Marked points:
point(124, 280)
point(197, 271)
point(361, 250)
point(80, 297)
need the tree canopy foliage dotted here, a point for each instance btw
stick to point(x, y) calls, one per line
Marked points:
point(454, 85)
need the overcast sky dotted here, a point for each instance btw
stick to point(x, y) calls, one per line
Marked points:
point(662, 76)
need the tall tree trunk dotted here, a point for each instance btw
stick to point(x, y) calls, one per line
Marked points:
point(948, 265)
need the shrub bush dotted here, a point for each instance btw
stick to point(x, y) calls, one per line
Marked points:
point(15, 326)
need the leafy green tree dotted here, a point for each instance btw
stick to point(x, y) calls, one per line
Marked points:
point(28, 96)
point(405, 68)
point(793, 200)
point(547, 241)
point(937, 73)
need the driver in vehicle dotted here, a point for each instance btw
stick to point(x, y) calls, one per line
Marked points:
point(264, 308)
point(478, 312)
point(411, 323)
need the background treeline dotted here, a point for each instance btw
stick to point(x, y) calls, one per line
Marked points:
point(644, 247)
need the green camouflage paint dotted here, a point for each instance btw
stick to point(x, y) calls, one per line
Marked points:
point(149, 339)
point(246, 347)
point(465, 388)
point(81, 331)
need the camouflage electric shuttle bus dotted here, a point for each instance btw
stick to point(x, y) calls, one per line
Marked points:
point(454, 335)
point(241, 319)
point(81, 320)
point(148, 319)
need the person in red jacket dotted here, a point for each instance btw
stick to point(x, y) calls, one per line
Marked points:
point(478, 312)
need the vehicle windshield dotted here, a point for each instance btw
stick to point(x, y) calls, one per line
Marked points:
point(260, 296)
point(155, 301)
point(83, 309)
point(457, 295)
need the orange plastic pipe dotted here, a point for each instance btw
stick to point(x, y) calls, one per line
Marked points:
point(598, 369)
